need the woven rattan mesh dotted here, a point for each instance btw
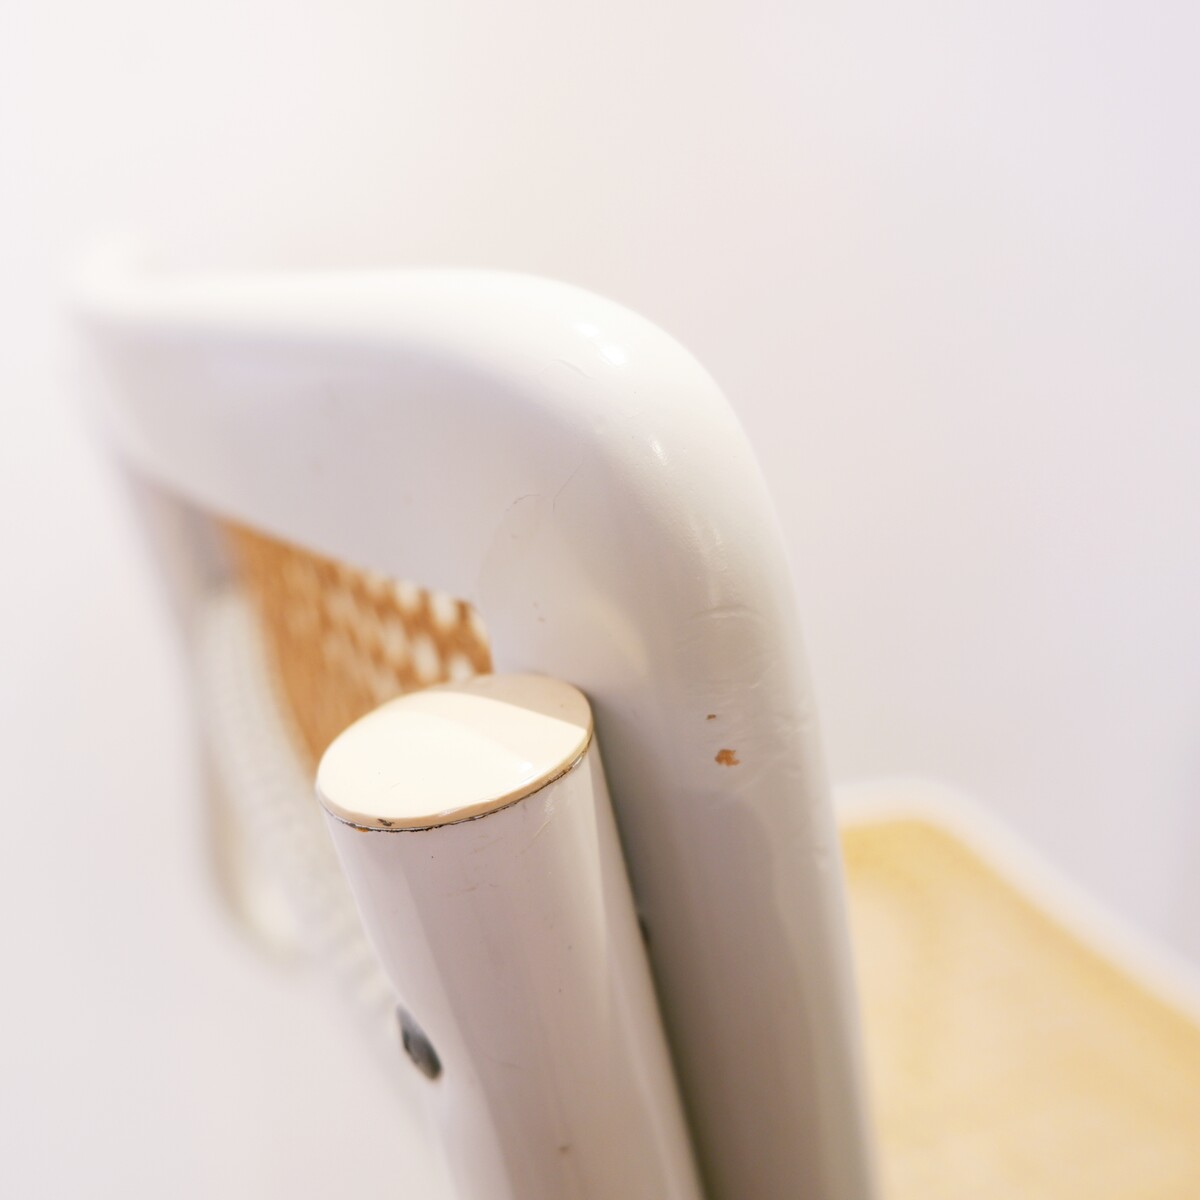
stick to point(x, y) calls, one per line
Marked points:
point(341, 641)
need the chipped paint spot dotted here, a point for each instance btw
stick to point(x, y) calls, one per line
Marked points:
point(728, 758)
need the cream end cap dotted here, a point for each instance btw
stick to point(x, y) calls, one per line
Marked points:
point(453, 752)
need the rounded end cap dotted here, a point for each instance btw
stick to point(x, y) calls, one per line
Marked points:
point(454, 752)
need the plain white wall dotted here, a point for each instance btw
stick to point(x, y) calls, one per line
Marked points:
point(943, 258)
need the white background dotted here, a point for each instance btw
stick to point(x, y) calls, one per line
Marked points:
point(944, 260)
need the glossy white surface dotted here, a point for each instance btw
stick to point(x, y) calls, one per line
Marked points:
point(611, 523)
point(512, 941)
point(454, 752)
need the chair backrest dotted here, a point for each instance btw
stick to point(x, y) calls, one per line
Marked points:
point(560, 466)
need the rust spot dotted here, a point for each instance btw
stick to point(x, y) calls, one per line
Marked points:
point(711, 717)
point(728, 758)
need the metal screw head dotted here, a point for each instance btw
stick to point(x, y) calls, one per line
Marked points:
point(417, 1046)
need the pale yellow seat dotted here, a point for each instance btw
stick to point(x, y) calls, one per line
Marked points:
point(1007, 1057)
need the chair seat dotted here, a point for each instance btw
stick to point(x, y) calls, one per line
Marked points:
point(1007, 1056)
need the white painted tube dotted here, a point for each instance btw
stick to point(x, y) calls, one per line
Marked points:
point(575, 473)
point(474, 825)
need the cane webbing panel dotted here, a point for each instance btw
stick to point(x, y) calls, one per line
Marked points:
point(341, 641)
point(1008, 1059)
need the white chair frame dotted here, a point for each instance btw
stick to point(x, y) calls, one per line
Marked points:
point(572, 471)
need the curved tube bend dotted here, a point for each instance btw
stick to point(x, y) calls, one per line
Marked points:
point(574, 472)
